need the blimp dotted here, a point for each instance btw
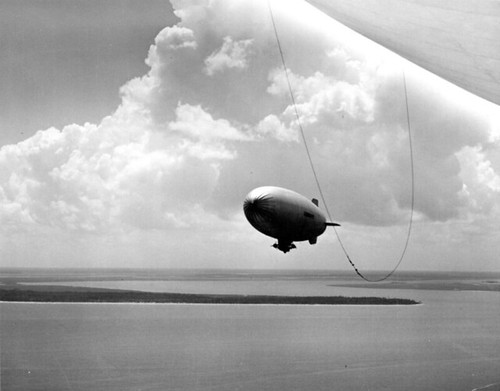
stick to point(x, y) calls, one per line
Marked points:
point(285, 215)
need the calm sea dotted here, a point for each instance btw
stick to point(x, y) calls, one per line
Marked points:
point(449, 342)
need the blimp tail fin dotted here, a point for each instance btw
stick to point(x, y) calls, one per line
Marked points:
point(328, 224)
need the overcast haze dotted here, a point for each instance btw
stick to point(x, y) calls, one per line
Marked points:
point(130, 136)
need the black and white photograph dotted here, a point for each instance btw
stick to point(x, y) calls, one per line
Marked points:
point(249, 195)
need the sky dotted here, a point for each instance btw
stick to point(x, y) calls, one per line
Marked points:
point(130, 133)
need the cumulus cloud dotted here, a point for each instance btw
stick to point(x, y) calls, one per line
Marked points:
point(272, 126)
point(213, 118)
point(232, 55)
point(94, 178)
point(481, 184)
point(320, 98)
point(175, 38)
point(194, 121)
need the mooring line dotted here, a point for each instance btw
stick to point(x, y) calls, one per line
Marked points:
point(313, 169)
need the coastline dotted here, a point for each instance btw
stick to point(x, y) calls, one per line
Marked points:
point(118, 296)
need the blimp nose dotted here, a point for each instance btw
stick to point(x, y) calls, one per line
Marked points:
point(258, 207)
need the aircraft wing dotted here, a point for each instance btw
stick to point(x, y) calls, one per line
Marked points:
point(458, 40)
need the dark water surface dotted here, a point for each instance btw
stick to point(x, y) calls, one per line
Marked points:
point(450, 342)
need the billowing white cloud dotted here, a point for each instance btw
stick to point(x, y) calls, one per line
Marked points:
point(195, 122)
point(213, 118)
point(231, 55)
point(174, 38)
point(272, 126)
point(481, 184)
point(95, 178)
point(324, 99)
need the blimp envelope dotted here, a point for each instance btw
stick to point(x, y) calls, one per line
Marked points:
point(458, 40)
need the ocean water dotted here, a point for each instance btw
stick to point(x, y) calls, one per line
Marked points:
point(449, 342)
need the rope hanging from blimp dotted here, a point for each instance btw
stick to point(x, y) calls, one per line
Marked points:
point(316, 179)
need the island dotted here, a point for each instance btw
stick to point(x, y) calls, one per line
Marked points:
point(53, 294)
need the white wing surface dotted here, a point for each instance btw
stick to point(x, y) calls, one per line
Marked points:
point(458, 40)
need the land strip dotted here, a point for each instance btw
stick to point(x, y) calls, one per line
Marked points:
point(15, 293)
